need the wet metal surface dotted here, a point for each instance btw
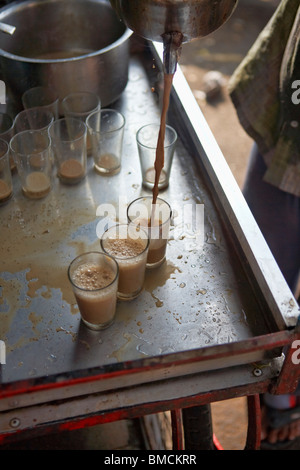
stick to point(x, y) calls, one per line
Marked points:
point(200, 296)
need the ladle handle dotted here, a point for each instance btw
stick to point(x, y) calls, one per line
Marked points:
point(7, 28)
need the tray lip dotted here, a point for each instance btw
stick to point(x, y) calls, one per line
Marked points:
point(281, 300)
point(245, 347)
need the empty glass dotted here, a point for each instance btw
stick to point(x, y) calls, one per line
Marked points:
point(68, 141)
point(38, 119)
point(6, 127)
point(146, 139)
point(32, 153)
point(106, 131)
point(41, 96)
point(7, 131)
point(6, 187)
point(79, 105)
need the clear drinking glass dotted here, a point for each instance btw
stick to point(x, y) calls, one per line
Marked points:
point(80, 105)
point(37, 119)
point(147, 138)
point(156, 219)
point(106, 132)
point(7, 131)
point(6, 187)
point(41, 96)
point(6, 127)
point(31, 151)
point(68, 141)
point(129, 246)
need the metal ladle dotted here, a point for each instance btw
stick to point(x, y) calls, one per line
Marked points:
point(173, 22)
point(7, 28)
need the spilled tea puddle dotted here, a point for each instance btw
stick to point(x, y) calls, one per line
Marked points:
point(42, 247)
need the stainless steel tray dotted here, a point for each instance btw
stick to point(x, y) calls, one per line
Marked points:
point(201, 311)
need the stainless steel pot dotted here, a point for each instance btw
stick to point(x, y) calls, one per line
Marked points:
point(70, 45)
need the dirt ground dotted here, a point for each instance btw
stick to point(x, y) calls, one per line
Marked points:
point(222, 51)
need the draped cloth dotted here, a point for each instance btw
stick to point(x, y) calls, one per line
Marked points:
point(265, 90)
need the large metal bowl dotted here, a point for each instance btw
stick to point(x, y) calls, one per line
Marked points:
point(70, 45)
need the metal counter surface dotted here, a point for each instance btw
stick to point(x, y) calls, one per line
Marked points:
point(201, 296)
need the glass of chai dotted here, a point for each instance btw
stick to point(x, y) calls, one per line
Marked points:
point(128, 244)
point(31, 151)
point(94, 280)
point(68, 141)
point(6, 188)
point(106, 132)
point(156, 219)
point(147, 138)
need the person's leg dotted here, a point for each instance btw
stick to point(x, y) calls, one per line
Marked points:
point(278, 215)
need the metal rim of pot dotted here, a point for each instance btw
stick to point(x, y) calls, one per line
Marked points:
point(5, 10)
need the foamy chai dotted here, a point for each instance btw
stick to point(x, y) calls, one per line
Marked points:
point(96, 304)
point(131, 256)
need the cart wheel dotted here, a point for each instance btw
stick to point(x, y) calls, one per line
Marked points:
point(197, 428)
